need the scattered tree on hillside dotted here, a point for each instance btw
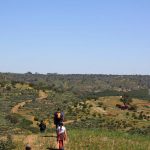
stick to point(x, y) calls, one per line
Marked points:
point(126, 99)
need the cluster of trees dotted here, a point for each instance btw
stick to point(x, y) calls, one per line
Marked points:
point(83, 82)
point(82, 86)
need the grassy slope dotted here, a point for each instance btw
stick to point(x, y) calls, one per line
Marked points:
point(96, 138)
point(92, 139)
point(87, 139)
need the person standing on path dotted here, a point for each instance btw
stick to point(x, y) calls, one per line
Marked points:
point(58, 118)
point(61, 136)
point(42, 126)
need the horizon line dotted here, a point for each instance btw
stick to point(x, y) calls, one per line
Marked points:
point(55, 73)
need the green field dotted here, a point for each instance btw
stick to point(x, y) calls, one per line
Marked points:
point(92, 139)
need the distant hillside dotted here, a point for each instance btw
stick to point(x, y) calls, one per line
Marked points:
point(78, 82)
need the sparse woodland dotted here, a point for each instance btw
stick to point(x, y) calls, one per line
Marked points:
point(96, 113)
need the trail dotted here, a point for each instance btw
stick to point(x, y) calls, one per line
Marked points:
point(37, 141)
point(19, 105)
point(42, 95)
point(17, 108)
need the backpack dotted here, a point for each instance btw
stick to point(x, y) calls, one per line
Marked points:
point(58, 115)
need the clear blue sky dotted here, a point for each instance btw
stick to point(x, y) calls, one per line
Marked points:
point(75, 36)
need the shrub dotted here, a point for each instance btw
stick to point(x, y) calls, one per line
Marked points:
point(140, 116)
point(36, 119)
point(142, 131)
point(133, 108)
point(33, 130)
point(104, 107)
point(94, 114)
point(7, 145)
point(90, 105)
point(100, 104)
point(12, 119)
point(25, 123)
point(134, 116)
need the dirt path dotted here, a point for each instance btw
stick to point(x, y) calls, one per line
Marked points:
point(42, 95)
point(19, 105)
point(15, 109)
point(37, 141)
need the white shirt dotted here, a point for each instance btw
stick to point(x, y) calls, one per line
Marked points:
point(61, 130)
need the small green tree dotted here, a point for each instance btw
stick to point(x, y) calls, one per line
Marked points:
point(126, 99)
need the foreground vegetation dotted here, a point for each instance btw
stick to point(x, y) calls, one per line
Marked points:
point(92, 139)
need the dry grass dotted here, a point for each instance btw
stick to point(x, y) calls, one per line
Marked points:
point(37, 141)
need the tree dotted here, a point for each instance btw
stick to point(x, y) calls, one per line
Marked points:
point(126, 99)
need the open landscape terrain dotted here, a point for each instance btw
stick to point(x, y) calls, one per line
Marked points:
point(101, 111)
point(80, 64)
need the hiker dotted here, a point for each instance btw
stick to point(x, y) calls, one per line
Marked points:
point(58, 117)
point(28, 147)
point(42, 126)
point(61, 136)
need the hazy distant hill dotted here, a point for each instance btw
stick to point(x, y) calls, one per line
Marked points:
point(87, 82)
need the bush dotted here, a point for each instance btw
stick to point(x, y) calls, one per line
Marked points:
point(33, 130)
point(90, 105)
point(140, 116)
point(104, 107)
point(94, 114)
point(7, 145)
point(100, 104)
point(25, 123)
point(36, 119)
point(141, 131)
point(127, 114)
point(12, 119)
point(133, 108)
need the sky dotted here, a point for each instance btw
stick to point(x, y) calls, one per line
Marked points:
point(75, 36)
